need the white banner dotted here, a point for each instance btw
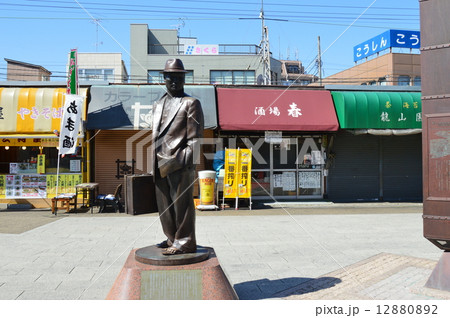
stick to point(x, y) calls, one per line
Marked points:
point(70, 124)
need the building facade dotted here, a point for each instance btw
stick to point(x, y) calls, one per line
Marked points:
point(376, 154)
point(29, 155)
point(206, 64)
point(391, 69)
point(293, 73)
point(21, 71)
point(104, 67)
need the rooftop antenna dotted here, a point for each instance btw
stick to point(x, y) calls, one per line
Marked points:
point(265, 49)
point(179, 25)
point(97, 43)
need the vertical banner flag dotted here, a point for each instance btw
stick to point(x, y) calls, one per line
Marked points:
point(70, 124)
point(72, 78)
point(245, 173)
point(238, 169)
point(230, 182)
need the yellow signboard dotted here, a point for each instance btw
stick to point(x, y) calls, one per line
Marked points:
point(41, 163)
point(231, 168)
point(238, 167)
point(19, 142)
point(32, 110)
point(245, 173)
point(51, 185)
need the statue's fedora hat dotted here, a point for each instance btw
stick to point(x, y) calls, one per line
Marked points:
point(174, 66)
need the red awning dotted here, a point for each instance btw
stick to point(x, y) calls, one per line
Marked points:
point(276, 109)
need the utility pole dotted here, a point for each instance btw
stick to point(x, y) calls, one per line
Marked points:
point(319, 61)
point(265, 49)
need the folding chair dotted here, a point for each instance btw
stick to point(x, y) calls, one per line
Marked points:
point(113, 200)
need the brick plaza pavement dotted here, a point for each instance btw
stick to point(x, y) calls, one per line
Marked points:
point(338, 252)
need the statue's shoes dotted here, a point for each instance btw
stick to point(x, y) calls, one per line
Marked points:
point(172, 251)
point(163, 244)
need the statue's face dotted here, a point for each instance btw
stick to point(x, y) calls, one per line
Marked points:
point(174, 83)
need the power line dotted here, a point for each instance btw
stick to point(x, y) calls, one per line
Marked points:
point(123, 9)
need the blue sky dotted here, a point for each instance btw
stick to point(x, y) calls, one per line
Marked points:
point(43, 32)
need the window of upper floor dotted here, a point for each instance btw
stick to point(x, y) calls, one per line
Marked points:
point(232, 77)
point(157, 77)
point(292, 69)
point(403, 80)
point(90, 74)
point(417, 81)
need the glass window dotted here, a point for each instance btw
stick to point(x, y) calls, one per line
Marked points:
point(157, 77)
point(309, 183)
point(285, 154)
point(284, 183)
point(293, 69)
point(305, 82)
point(403, 80)
point(417, 81)
point(309, 154)
point(91, 74)
point(232, 77)
point(189, 77)
point(260, 183)
point(108, 75)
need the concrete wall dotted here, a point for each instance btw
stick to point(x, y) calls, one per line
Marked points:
point(104, 61)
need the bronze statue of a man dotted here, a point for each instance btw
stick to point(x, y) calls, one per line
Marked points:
point(177, 127)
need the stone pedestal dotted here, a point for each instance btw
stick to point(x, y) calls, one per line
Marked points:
point(440, 277)
point(147, 274)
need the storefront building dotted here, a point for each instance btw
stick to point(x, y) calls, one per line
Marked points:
point(376, 155)
point(29, 116)
point(288, 132)
point(120, 119)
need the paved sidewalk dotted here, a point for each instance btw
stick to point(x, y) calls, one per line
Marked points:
point(267, 254)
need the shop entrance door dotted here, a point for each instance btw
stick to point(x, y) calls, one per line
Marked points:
point(297, 168)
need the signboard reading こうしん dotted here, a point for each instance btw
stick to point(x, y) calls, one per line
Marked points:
point(388, 39)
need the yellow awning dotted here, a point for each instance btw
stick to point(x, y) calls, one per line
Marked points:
point(33, 110)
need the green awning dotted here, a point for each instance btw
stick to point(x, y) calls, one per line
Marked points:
point(378, 110)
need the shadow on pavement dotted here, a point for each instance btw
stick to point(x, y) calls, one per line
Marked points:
point(265, 288)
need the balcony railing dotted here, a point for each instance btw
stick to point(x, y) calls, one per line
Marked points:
point(224, 49)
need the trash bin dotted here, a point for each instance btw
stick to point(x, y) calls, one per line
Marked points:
point(140, 194)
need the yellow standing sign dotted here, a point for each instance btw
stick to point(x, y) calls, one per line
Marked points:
point(237, 181)
point(245, 173)
point(231, 169)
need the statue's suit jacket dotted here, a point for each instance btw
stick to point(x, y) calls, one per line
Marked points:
point(175, 140)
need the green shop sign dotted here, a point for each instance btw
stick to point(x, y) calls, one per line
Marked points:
point(378, 110)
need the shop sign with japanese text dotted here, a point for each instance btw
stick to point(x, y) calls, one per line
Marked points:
point(70, 124)
point(202, 49)
point(238, 168)
point(388, 39)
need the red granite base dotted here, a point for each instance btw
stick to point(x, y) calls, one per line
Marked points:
point(215, 284)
